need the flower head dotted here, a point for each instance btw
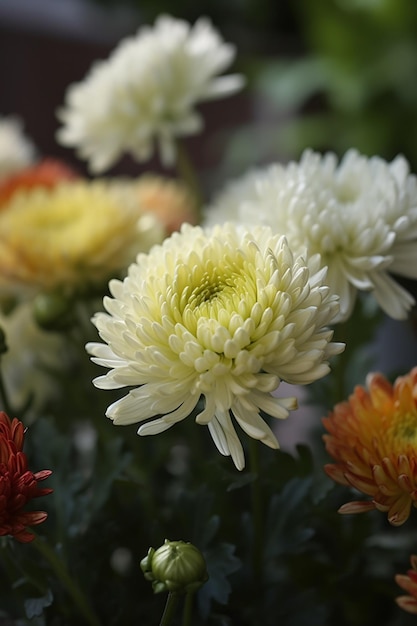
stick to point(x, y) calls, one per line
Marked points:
point(32, 361)
point(18, 485)
point(147, 91)
point(176, 566)
point(360, 215)
point(16, 150)
point(46, 173)
point(168, 199)
point(373, 439)
point(76, 234)
point(408, 582)
point(223, 315)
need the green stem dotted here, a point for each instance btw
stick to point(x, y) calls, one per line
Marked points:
point(10, 559)
point(188, 174)
point(69, 583)
point(170, 607)
point(4, 396)
point(256, 502)
point(188, 610)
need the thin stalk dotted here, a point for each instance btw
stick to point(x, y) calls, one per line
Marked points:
point(187, 173)
point(66, 579)
point(256, 503)
point(170, 606)
point(4, 396)
point(188, 610)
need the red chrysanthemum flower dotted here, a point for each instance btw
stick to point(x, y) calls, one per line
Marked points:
point(408, 582)
point(47, 173)
point(18, 485)
point(373, 439)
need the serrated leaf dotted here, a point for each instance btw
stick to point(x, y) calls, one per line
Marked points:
point(286, 523)
point(221, 563)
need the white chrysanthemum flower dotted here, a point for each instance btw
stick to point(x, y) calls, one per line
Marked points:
point(360, 215)
point(146, 91)
point(222, 315)
point(16, 150)
point(32, 361)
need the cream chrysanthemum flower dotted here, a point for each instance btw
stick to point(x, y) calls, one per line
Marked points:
point(147, 91)
point(77, 234)
point(223, 315)
point(360, 215)
point(16, 150)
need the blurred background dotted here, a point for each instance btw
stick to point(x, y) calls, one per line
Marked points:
point(328, 74)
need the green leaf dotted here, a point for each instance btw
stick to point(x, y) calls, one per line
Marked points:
point(241, 481)
point(221, 562)
point(286, 527)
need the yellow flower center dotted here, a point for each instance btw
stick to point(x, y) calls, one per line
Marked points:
point(215, 288)
point(215, 293)
point(404, 428)
point(209, 288)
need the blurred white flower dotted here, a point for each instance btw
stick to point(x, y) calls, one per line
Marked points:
point(32, 361)
point(16, 150)
point(147, 91)
point(223, 315)
point(360, 215)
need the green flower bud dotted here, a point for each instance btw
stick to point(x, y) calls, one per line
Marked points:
point(176, 566)
point(7, 304)
point(53, 311)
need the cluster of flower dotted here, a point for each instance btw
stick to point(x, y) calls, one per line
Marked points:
point(218, 313)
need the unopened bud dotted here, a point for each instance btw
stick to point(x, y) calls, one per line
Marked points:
point(176, 566)
point(53, 311)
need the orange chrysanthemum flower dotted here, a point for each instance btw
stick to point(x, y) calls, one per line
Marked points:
point(46, 173)
point(170, 200)
point(18, 485)
point(408, 582)
point(373, 439)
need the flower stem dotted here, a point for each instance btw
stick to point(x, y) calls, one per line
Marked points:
point(69, 583)
point(169, 610)
point(4, 396)
point(188, 610)
point(256, 503)
point(188, 174)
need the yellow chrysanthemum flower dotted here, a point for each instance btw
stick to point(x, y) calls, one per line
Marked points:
point(222, 315)
point(373, 439)
point(73, 235)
